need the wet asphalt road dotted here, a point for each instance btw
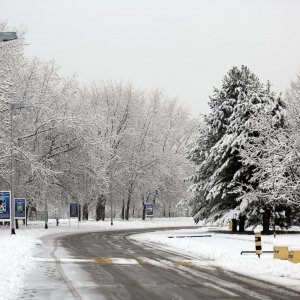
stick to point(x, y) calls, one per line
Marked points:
point(109, 265)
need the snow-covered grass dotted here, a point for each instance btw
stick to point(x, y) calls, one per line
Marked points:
point(14, 260)
point(224, 250)
point(16, 250)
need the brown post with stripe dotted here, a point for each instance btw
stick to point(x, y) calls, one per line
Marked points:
point(258, 248)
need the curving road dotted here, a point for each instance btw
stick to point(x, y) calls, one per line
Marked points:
point(108, 265)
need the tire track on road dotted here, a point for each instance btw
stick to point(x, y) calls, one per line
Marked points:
point(68, 283)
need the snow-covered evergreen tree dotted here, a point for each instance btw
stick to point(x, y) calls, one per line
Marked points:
point(220, 173)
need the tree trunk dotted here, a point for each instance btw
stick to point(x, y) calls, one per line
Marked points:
point(234, 225)
point(102, 211)
point(100, 208)
point(133, 210)
point(242, 223)
point(127, 209)
point(27, 210)
point(266, 221)
point(79, 213)
point(274, 222)
point(123, 210)
point(85, 215)
point(130, 191)
point(144, 210)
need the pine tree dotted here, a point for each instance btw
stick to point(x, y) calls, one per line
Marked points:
point(274, 187)
point(220, 174)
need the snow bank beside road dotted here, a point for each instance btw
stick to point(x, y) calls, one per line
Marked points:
point(224, 250)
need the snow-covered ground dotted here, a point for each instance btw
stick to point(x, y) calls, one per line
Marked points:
point(224, 250)
point(16, 250)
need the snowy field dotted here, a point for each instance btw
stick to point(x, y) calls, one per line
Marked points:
point(16, 250)
point(224, 250)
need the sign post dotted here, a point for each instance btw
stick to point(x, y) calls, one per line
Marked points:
point(149, 210)
point(20, 208)
point(5, 202)
point(74, 213)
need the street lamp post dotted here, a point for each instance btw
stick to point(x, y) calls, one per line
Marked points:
point(8, 36)
point(5, 37)
point(13, 106)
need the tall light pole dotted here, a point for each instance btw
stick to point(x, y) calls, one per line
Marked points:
point(5, 37)
point(13, 106)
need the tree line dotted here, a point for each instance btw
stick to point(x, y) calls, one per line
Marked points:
point(89, 143)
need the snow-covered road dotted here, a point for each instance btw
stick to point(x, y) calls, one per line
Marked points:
point(17, 250)
point(217, 249)
point(108, 265)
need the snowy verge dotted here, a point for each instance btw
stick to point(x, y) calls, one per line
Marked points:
point(17, 250)
point(15, 260)
point(224, 250)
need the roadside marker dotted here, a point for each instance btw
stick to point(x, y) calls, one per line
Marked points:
point(258, 248)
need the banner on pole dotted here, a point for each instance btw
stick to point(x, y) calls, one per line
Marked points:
point(20, 208)
point(5, 205)
point(74, 210)
point(149, 210)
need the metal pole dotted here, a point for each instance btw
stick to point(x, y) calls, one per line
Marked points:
point(12, 210)
point(111, 200)
point(123, 209)
point(46, 214)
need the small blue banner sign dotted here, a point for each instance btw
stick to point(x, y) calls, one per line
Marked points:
point(5, 205)
point(20, 208)
point(74, 210)
point(149, 210)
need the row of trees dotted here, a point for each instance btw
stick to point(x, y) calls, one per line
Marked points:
point(247, 155)
point(89, 143)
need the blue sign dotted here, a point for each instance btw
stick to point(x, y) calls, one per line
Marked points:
point(5, 205)
point(20, 208)
point(149, 210)
point(74, 210)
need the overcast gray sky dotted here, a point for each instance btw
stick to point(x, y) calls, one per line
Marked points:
point(183, 47)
